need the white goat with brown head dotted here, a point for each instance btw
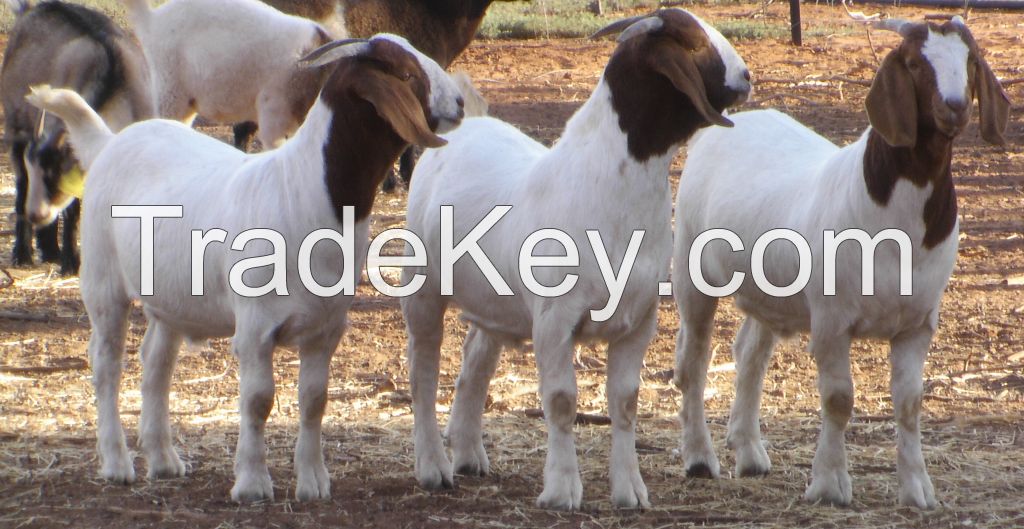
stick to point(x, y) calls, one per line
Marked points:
point(770, 172)
point(671, 75)
point(380, 96)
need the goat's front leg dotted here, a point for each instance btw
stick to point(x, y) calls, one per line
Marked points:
point(830, 479)
point(69, 260)
point(554, 351)
point(907, 355)
point(424, 321)
point(625, 359)
point(313, 481)
point(256, 398)
point(693, 355)
point(752, 351)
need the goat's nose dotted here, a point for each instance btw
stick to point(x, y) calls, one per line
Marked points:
point(746, 75)
point(460, 101)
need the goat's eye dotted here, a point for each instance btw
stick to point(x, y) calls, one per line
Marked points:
point(406, 76)
point(914, 65)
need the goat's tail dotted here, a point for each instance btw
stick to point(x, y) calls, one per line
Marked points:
point(87, 131)
point(138, 13)
point(19, 6)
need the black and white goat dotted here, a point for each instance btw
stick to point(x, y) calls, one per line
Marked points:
point(606, 177)
point(770, 172)
point(382, 96)
point(70, 46)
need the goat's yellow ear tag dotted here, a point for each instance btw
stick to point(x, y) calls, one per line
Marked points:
point(72, 182)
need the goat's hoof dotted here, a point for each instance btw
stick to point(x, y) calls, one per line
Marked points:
point(69, 266)
point(166, 465)
point(830, 488)
point(253, 487)
point(435, 473)
point(702, 470)
point(313, 485)
point(917, 491)
point(562, 493)
point(632, 495)
point(471, 462)
point(752, 461)
point(22, 257)
point(120, 471)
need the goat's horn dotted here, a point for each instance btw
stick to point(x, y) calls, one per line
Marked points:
point(333, 51)
point(42, 122)
point(898, 25)
point(631, 27)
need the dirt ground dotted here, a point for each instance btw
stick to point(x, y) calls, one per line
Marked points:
point(973, 409)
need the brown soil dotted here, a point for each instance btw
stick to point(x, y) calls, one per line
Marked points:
point(972, 420)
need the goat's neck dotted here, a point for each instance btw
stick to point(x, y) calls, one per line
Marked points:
point(928, 162)
point(598, 149)
point(351, 150)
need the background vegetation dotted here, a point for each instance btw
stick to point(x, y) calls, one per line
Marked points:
point(755, 19)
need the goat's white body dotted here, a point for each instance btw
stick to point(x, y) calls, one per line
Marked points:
point(284, 191)
point(808, 185)
point(218, 187)
point(772, 172)
point(227, 60)
point(587, 181)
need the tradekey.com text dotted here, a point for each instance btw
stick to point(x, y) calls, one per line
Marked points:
point(450, 252)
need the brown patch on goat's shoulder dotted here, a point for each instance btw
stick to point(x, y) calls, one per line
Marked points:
point(653, 114)
point(361, 146)
point(930, 161)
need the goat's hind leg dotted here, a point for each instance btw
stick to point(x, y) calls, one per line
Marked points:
point(752, 351)
point(159, 353)
point(480, 354)
point(693, 355)
point(312, 480)
point(108, 318)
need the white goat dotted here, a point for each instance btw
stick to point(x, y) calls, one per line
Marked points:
point(380, 97)
point(771, 172)
point(230, 61)
point(605, 178)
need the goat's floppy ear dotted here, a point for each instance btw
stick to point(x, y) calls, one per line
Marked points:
point(892, 103)
point(682, 71)
point(993, 104)
point(395, 102)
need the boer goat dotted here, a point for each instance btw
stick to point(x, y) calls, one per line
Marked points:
point(770, 172)
point(381, 96)
point(671, 75)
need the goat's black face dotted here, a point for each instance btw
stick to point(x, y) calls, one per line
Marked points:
point(49, 161)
